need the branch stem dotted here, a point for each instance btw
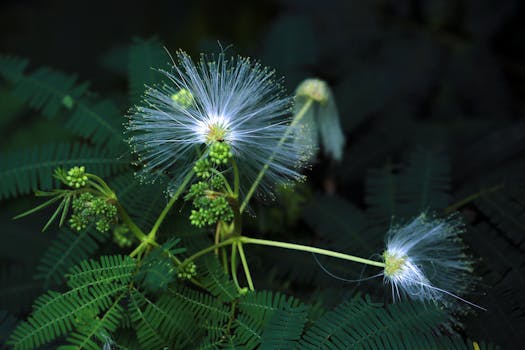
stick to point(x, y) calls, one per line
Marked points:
point(305, 248)
point(245, 266)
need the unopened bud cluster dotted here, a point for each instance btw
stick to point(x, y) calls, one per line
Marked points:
point(87, 208)
point(207, 195)
point(76, 177)
point(187, 271)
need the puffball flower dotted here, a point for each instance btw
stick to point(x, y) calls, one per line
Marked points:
point(425, 260)
point(234, 101)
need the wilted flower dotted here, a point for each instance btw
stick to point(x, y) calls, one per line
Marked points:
point(321, 119)
point(425, 260)
point(232, 101)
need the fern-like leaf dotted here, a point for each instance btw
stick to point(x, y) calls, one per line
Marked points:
point(284, 328)
point(43, 89)
point(217, 282)
point(94, 288)
point(25, 171)
point(263, 304)
point(248, 331)
point(67, 249)
point(95, 332)
point(361, 324)
point(506, 210)
point(52, 91)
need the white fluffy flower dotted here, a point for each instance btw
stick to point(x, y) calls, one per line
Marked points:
point(234, 101)
point(425, 260)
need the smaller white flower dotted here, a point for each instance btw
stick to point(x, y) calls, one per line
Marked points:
point(425, 260)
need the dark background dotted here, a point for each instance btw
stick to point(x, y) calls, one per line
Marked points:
point(444, 75)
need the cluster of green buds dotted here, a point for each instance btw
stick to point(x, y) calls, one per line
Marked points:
point(183, 98)
point(208, 195)
point(87, 208)
point(75, 177)
point(220, 153)
point(187, 271)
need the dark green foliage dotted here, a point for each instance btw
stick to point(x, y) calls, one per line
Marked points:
point(430, 97)
point(158, 270)
point(262, 305)
point(425, 183)
point(284, 329)
point(18, 289)
point(217, 282)
point(52, 92)
point(100, 122)
point(94, 287)
point(68, 249)
point(142, 201)
point(145, 56)
point(7, 324)
point(506, 210)
point(382, 192)
point(361, 324)
point(29, 170)
point(43, 89)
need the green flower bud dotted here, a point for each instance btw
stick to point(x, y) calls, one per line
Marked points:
point(76, 177)
point(183, 98)
point(220, 153)
point(202, 168)
point(78, 222)
point(187, 271)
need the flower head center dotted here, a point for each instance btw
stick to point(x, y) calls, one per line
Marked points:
point(395, 263)
point(216, 133)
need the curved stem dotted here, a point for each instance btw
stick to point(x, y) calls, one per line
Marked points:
point(245, 266)
point(105, 188)
point(297, 118)
point(314, 250)
point(130, 223)
point(168, 206)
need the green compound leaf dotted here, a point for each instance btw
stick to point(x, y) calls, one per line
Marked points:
point(284, 328)
point(25, 171)
point(360, 324)
point(67, 249)
point(94, 287)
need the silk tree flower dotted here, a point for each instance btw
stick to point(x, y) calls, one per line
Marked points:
point(234, 101)
point(425, 260)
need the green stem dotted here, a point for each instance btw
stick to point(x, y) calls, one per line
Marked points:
point(245, 266)
point(314, 250)
point(168, 206)
point(97, 187)
point(107, 190)
point(297, 118)
point(130, 224)
point(233, 262)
